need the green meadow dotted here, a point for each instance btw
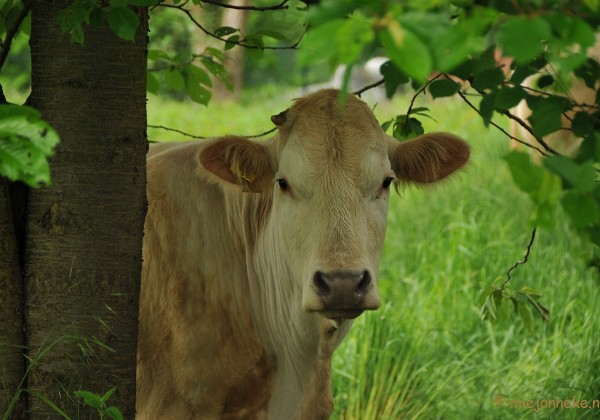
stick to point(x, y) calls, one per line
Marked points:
point(426, 353)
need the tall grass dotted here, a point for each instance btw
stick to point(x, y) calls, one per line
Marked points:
point(426, 353)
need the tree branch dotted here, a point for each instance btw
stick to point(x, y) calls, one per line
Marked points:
point(371, 86)
point(464, 98)
point(11, 32)
point(280, 6)
point(196, 137)
point(522, 261)
point(530, 131)
point(240, 43)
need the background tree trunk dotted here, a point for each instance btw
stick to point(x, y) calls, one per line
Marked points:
point(84, 233)
point(12, 363)
point(234, 58)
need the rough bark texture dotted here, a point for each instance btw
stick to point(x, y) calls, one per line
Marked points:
point(12, 363)
point(84, 233)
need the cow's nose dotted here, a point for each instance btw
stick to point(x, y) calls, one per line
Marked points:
point(342, 289)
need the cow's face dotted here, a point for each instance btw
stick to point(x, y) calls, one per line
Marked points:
point(328, 175)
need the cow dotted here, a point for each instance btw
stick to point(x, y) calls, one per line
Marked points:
point(258, 256)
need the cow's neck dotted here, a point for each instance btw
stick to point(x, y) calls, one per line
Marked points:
point(301, 343)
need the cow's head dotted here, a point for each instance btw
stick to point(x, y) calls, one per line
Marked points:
point(328, 174)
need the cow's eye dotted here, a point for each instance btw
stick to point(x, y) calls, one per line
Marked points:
point(387, 182)
point(283, 184)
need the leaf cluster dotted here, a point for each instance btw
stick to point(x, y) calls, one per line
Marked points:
point(98, 402)
point(501, 303)
point(26, 143)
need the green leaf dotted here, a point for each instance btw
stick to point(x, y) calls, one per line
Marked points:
point(407, 51)
point(583, 124)
point(108, 394)
point(72, 17)
point(90, 399)
point(406, 128)
point(232, 41)
point(509, 97)
point(317, 44)
point(546, 113)
point(521, 73)
point(224, 31)
point(523, 37)
point(216, 69)
point(26, 143)
point(198, 75)
point(158, 55)
point(545, 81)
point(526, 175)
point(462, 40)
point(114, 413)
point(486, 107)
point(216, 53)
point(272, 34)
point(330, 10)
point(526, 314)
point(589, 72)
point(143, 3)
point(352, 37)
point(581, 208)
point(581, 177)
point(443, 87)
point(488, 78)
point(393, 78)
point(543, 187)
point(124, 22)
point(197, 93)
point(175, 79)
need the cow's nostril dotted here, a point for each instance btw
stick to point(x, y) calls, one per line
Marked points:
point(363, 285)
point(321, 284)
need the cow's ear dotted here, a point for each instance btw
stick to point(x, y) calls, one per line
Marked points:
point(239, 161)
point(428, 158)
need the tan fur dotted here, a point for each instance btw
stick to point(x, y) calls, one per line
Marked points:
point(230, 323)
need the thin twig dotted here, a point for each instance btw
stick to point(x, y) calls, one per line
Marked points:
point(523, 124)
point(464, 98)
point(520, 262)
point(421, 90)
point(240, 43)
point(280, 6)
point(527, 128)
point(193, 136)
point(371, 86)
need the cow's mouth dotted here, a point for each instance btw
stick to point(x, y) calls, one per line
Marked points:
point(336, 314)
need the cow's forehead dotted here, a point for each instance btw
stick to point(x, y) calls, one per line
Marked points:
point(332, 132)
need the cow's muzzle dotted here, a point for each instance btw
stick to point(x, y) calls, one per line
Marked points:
point(345, 294)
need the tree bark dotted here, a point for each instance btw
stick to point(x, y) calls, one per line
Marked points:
point(12, 363)
point(234, 58)
point(84, 232)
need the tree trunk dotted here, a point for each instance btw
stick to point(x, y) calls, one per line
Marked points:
point(84, 233)
point(234, 58)
point(12, 363)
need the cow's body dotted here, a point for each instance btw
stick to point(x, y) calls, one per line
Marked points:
point(249, 252)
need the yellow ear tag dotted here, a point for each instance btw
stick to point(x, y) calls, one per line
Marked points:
point(242, 174)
